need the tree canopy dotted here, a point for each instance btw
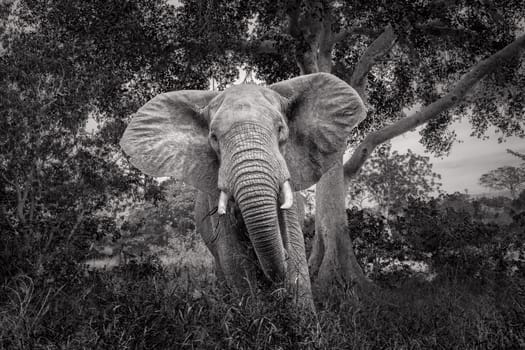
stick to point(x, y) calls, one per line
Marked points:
point(505, 178)
point(64, 63)
point(391, 179)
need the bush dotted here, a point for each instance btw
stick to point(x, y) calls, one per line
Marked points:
point(141, 305)
point(442, 233)
point(376, 248)
point(145, 306)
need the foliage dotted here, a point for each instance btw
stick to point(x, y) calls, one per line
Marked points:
point(504, 178)
point(518, 209)
point(437, 42)
point(72, 73)
point(495, 202)
point(149, 226)
point(390, 179)
point(374, 248)
point(518, 204)
point(172, 207)
point(146, 306)
point(67, 66)
point(440, 233)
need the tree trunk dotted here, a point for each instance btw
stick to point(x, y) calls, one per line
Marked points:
point(333, 249)
point(332, 257)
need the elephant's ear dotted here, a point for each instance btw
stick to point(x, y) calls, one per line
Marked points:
point(168, 136)
point(322, 110)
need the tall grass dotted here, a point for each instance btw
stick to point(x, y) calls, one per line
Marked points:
point(146, 306)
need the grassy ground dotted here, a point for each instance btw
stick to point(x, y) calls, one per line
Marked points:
point(147, 306)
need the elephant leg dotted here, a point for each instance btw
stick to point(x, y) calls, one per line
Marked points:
point(298, 278)
point(301, 211)
point(204, 227)
point(223, 237)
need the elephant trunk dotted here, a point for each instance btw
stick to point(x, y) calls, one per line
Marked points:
point(258, 205)
point(254, 171)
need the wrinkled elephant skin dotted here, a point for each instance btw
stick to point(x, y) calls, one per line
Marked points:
point(247, 149)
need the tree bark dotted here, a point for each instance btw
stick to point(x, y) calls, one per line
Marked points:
point(379, 48)
point(333, 259)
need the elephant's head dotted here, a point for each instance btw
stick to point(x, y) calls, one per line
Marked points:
point(250, 142)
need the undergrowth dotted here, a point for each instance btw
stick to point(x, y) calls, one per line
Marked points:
point(146, 306)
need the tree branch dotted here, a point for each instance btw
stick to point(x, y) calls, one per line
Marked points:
point(517, 154)
point(441, 29)
point(262, 46)
point(437, 28)
point(326, 45)
point(355, 31)
point(4, 213)
point(305, 25)
point(12, 183)
point(293, 12)
point(379, 47)
point(384, 43)
point(467, 82)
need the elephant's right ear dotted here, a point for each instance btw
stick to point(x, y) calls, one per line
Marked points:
point(168, 136)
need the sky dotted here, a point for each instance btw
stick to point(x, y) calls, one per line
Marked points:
point(467, 160)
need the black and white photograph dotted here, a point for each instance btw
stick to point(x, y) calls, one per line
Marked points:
point(262, 174)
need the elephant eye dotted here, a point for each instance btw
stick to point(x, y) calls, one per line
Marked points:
point(281, 133)
point(214, 142)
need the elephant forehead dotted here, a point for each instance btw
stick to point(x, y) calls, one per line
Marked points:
point(245, 96)
point(244, 103)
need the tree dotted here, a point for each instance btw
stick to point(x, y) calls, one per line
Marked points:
point(51, 173)
point(504, 178)
point(423, 57)
point(398, 55)
point(391, 179)
point(63, 63)
point(517, 154)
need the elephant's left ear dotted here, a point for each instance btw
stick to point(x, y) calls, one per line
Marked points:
point(168, 136)
point(322, 109)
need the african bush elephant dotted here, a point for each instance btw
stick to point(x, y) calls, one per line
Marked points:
point(246, 149)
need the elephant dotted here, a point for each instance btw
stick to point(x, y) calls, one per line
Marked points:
point(248, 150)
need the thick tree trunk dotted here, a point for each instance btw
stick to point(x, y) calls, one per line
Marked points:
point(333, 258)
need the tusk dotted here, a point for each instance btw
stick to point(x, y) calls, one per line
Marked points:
point(286, 195)
point(223, 203)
